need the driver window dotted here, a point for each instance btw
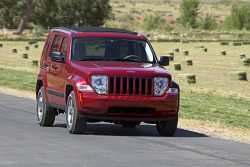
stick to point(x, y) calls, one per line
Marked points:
point(64, 47)
point(56, 44)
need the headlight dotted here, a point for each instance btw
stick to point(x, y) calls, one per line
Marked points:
point(100, 83)
point(160, 85)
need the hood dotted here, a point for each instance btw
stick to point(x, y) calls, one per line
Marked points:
point(119, 68)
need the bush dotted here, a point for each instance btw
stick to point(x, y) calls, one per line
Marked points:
point(239, 18)
point(189, 13)
point(152, 22)
point(208, 23)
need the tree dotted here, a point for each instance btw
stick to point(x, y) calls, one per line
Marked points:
point(26, 16)
point(50, 13)
point(240, 17)
point(10, 12)
point(189, 12)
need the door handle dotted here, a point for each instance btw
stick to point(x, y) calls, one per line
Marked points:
point(54, 66)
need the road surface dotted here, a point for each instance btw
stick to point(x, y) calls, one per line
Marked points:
point(24, 144)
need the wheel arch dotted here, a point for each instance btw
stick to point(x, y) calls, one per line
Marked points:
point(68, 89)
point(39, 84)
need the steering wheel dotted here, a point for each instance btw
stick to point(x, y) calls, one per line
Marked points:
point(133, 57)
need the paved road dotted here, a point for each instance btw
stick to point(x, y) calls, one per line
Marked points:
point(24, 144)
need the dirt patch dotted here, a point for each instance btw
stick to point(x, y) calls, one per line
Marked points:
point(216, 130)
point(18, 93)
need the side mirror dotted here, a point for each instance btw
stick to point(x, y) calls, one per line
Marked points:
point(57, 57)
point(164, 60)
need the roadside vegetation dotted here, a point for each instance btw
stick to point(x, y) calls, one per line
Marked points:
point(216, 96)
point(213, 71)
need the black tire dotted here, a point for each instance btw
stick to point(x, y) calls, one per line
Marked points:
point(76, 124)
point(45, 115)
point(167, 128)
point(130, 124)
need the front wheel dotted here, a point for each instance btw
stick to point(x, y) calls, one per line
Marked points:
point(75, 123)
point(45, 115)
point(167, 128)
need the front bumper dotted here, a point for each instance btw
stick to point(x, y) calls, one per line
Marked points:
point(99, 107)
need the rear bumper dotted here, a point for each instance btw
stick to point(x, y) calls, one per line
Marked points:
point(99, 107)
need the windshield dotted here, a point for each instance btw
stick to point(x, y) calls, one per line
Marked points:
point(108, 49)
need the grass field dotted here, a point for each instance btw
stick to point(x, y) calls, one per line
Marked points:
point(216, 96)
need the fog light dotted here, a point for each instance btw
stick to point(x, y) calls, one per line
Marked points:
point(173, 91)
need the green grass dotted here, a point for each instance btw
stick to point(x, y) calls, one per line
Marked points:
point(233, 112)
point(18, 79)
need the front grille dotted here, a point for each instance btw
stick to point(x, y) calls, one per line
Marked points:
point(130, 86)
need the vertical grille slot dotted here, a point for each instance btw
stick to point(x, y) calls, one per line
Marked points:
point(143, 86)
point(130, 86)
point(118, 85)
point(131, 82)
point(124, 85)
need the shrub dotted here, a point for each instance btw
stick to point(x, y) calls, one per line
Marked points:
point(189, 13)
point(153, 22)
point(239, 18)
point(208, 23)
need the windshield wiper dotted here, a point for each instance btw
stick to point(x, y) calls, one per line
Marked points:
point(91, 59)
point(128, 60)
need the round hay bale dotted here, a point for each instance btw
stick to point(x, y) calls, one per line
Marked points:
point(246, 62)
point(172, 54)
point(177, 67)
point(224, 43)
point(177, 50)
point(237, 44)
point(186, 53)
point(242, 56)
point(14, 50)
point(240, 75)
point(25, 56)
point(185, 41)
point(191, 79)
point(36, 46)
point(1, 45)
point(171, 58)
point(224, 53)
point(27, 48)
point(189, 62)
point(32, 42)
point(246, 43)
point(35, 62)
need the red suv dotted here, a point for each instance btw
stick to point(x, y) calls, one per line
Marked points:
point(103, 74)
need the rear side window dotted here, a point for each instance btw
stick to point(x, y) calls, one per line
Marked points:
point(56, 44)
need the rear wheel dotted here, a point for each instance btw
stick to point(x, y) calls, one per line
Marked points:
point(130, 124)
point(167, 128)
point(75, 123)
point(45, 115)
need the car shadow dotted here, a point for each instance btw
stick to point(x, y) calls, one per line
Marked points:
point(146, 130)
